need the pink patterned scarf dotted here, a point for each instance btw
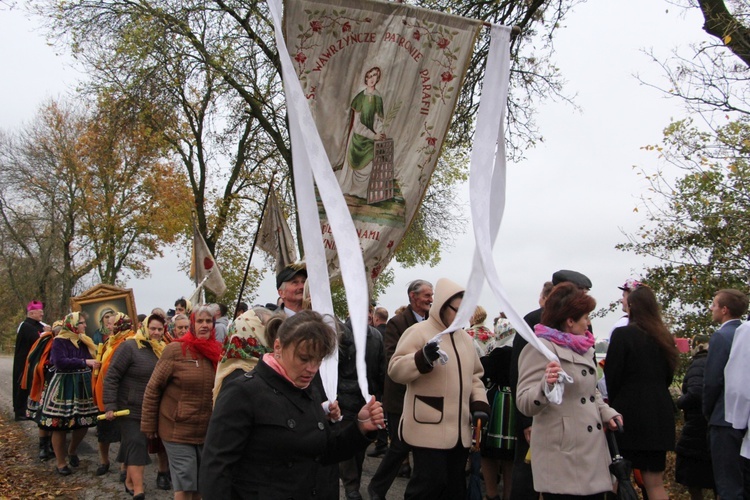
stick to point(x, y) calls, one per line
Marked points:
point(576, 343)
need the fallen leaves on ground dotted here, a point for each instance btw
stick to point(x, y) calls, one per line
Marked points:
point(22, 476)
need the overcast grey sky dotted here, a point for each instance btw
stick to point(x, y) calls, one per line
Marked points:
point(567, 204)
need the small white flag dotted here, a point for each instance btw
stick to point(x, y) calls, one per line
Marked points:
point(204, 268)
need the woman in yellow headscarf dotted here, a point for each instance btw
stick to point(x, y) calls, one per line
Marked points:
point(129, 372)
point(68, 402)
point(107, 432)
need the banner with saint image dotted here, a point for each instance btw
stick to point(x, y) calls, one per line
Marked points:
point(382, 80)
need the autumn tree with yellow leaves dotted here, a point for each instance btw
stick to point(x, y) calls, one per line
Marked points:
point(87, 196)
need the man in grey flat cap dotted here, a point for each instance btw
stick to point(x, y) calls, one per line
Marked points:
point(290, 282)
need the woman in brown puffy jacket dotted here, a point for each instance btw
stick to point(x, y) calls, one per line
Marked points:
point(177, 402)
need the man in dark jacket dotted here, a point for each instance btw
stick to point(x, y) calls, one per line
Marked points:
point(28, 333)
point(420, 300)
point(730, 472)
point(350, 397)
point(380, 319)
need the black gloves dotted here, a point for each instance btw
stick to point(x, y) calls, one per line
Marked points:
point(430, 351)
point(479, 415)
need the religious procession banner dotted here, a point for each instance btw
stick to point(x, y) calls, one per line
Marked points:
point(275, 236)
point(382, 80)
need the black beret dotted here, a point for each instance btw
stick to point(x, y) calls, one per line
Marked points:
point(574, 277)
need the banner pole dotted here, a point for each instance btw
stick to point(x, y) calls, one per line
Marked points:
point(255, 240)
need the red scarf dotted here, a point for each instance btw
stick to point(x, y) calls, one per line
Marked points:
point(209, 348)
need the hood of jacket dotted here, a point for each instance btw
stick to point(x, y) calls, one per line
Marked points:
point(445, 289)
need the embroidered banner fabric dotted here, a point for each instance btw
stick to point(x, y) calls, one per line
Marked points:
point(382, 80)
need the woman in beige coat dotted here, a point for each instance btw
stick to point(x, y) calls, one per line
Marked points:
point(440, 399)
point(569, 452)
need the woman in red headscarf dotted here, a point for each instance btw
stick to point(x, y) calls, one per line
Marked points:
point(178, 400)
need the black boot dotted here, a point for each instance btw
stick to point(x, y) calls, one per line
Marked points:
point(45, 447)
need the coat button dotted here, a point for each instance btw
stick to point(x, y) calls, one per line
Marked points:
point(599, 426)
point(583, 401)
point(291, 423)
point(591, 371)
point(592, 399)
point(321, 426)
point(583, 372)
point(589, 428)
point(536, 402)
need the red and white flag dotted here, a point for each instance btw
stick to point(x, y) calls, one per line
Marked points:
point(204, 269)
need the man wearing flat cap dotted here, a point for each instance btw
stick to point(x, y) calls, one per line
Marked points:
point(290, 283)
point(28, 333)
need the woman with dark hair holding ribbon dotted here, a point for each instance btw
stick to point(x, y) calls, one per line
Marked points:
point(129, 372)
point(269, 435)
point(641, 361)
point(68, 402)
point(569, 453)
point(177, 401)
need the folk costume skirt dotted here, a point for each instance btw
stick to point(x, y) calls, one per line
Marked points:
point(68, 402)
point(499, 442)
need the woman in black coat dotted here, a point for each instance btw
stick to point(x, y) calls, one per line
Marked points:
point(641, 360)
point(268, 434)
point(693, 468)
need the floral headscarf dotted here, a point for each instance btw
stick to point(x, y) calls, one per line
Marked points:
point(122, 323)
point(70, 332)
point(504, 333)
point(246, 343)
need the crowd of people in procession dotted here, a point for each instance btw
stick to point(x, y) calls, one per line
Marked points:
point(237, 409)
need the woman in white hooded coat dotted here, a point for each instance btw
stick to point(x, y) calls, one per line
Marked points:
point(441, 399)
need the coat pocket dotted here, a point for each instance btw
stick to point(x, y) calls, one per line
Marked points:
point(567, 434)
point(428, 409)
point(186, 410)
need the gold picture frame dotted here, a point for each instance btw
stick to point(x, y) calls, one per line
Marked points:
point(94, 300)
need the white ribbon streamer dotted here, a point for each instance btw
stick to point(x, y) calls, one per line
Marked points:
point(310, 162)
point(487, 186)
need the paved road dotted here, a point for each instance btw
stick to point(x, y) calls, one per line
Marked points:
point(109, 485)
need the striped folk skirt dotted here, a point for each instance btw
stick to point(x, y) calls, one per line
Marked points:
point(500, 440)
point(68, 402)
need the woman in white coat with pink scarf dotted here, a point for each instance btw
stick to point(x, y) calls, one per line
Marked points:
point(569, 452)
point(440, 398)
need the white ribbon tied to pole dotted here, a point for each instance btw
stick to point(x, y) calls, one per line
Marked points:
point(311, 162)
point(487, 184)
